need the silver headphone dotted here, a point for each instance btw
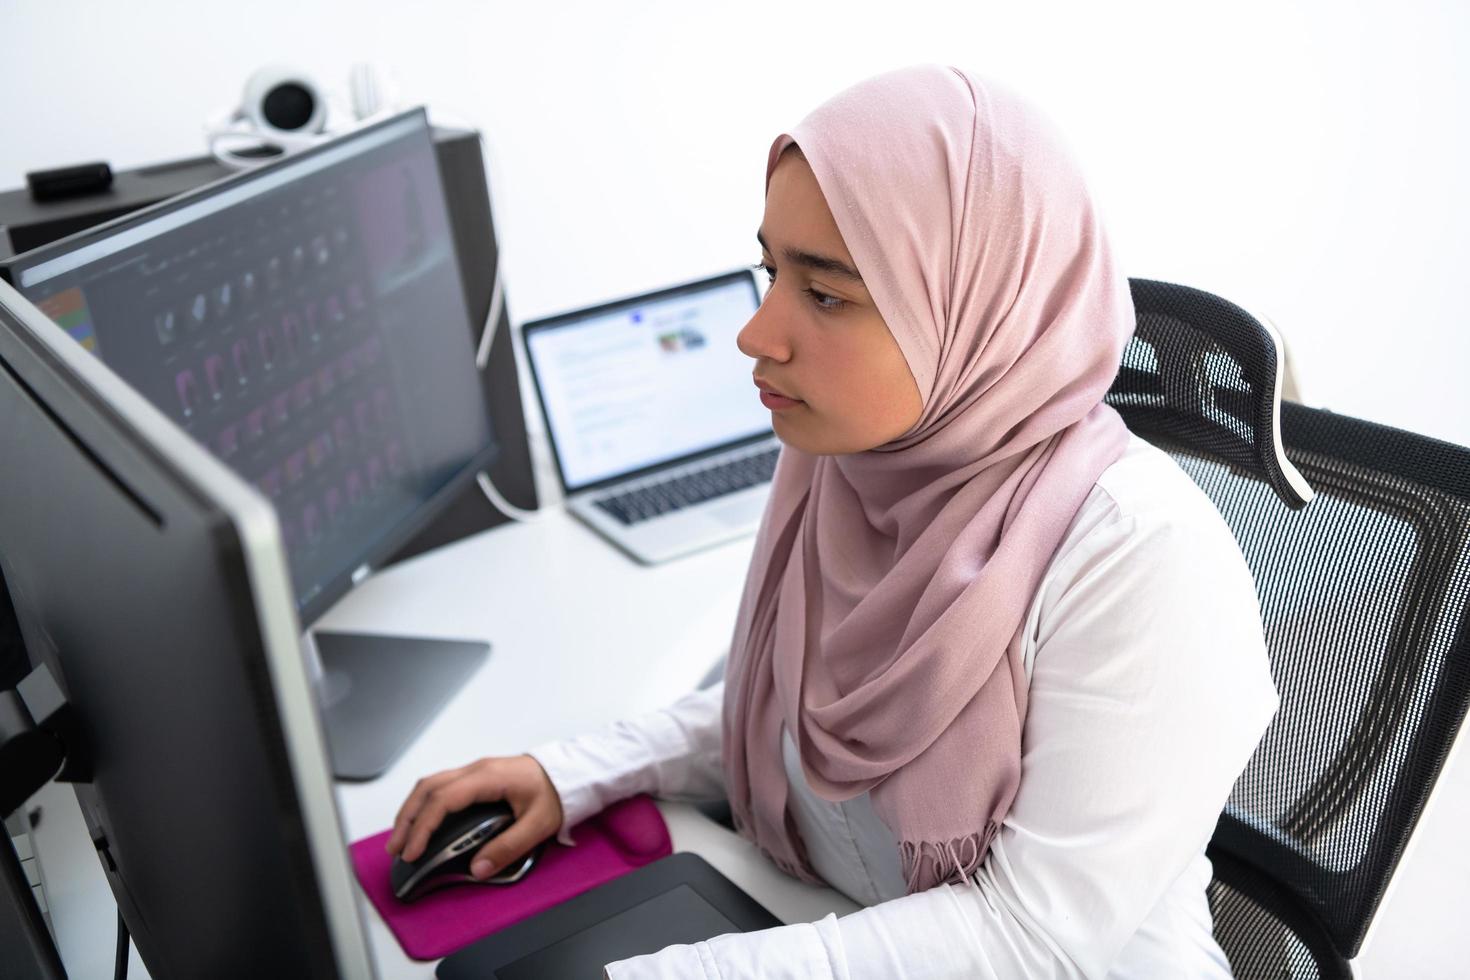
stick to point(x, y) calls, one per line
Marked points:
point(283, 108)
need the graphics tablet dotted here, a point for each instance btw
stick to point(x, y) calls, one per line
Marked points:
point(679, 899)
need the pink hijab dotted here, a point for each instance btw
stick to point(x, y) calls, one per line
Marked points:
point(881, 618)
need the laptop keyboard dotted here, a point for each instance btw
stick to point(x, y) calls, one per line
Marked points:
point(654, 499)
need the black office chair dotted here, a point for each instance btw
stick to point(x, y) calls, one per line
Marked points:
point(1365, 597)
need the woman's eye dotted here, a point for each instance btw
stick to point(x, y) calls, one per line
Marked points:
point(823, 301)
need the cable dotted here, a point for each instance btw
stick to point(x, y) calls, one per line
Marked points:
point(505, 506)
point(120, 963)
point(492, 319)
point(482, 356)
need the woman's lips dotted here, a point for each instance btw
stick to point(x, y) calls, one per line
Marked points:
point(773, 399)
point(777, 402)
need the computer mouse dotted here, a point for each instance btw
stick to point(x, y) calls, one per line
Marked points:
point(451, 847)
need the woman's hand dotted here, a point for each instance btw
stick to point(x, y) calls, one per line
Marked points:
point(518, 780)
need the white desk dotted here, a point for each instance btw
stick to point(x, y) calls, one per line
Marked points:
point(580, 636)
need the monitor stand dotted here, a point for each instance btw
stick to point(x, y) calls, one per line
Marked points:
point(377, 693)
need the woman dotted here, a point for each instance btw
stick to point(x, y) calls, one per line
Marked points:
point(998, 663)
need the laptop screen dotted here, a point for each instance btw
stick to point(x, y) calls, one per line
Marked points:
point(647, 380)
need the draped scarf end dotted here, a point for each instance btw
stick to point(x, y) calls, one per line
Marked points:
point(930, 863)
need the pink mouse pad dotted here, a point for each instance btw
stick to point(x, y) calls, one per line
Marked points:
point(625, 836)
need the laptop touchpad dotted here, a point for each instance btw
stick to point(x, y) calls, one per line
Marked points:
point(746, 510)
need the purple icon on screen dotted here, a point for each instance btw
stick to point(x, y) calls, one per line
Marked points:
point(319, 450)
point(188, 390)
point(228, 442)
point(280, 409)
point(291, 331)
point(269, 347)
point(295, 467)
point(313, 328)
point(214, 373)
point(241, 355)
point(301, 395)
point(255, 425)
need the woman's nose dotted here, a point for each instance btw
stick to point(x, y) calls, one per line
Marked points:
point(763, 336)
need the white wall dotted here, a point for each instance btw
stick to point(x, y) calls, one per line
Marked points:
point(1300, 159)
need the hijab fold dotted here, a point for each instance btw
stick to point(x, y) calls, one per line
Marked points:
point(881, 620)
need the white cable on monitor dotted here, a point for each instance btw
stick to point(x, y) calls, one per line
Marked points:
point(492, 319)
point(482, 359)
point(505, 506)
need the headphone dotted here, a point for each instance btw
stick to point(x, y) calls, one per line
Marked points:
point(283, 110)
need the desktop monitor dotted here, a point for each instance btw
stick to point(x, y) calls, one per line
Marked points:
point(152, 583)
point(306, 321)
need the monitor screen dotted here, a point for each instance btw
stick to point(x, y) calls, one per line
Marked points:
point(647, 380)
point(307, 322)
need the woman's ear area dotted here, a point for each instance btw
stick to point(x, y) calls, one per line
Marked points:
point(909, 399)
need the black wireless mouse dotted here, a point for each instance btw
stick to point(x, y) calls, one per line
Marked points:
point(451, 847)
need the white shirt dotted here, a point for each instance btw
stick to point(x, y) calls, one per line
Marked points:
point(1149, 687)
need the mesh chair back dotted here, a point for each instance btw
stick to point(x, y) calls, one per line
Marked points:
point(1365, 598)
point(1202, 371)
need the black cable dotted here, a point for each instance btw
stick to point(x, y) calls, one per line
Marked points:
point(120, 964)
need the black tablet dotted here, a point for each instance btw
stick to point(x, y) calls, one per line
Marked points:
point(679, 899)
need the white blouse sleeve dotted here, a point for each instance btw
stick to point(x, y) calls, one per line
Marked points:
point(1149, 691)
point(672, 753)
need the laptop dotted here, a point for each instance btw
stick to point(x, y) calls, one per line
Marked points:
point(660, 439)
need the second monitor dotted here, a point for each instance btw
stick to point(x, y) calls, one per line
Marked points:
point(307, 322)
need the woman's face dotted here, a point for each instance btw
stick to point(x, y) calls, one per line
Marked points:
point(832, 375)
